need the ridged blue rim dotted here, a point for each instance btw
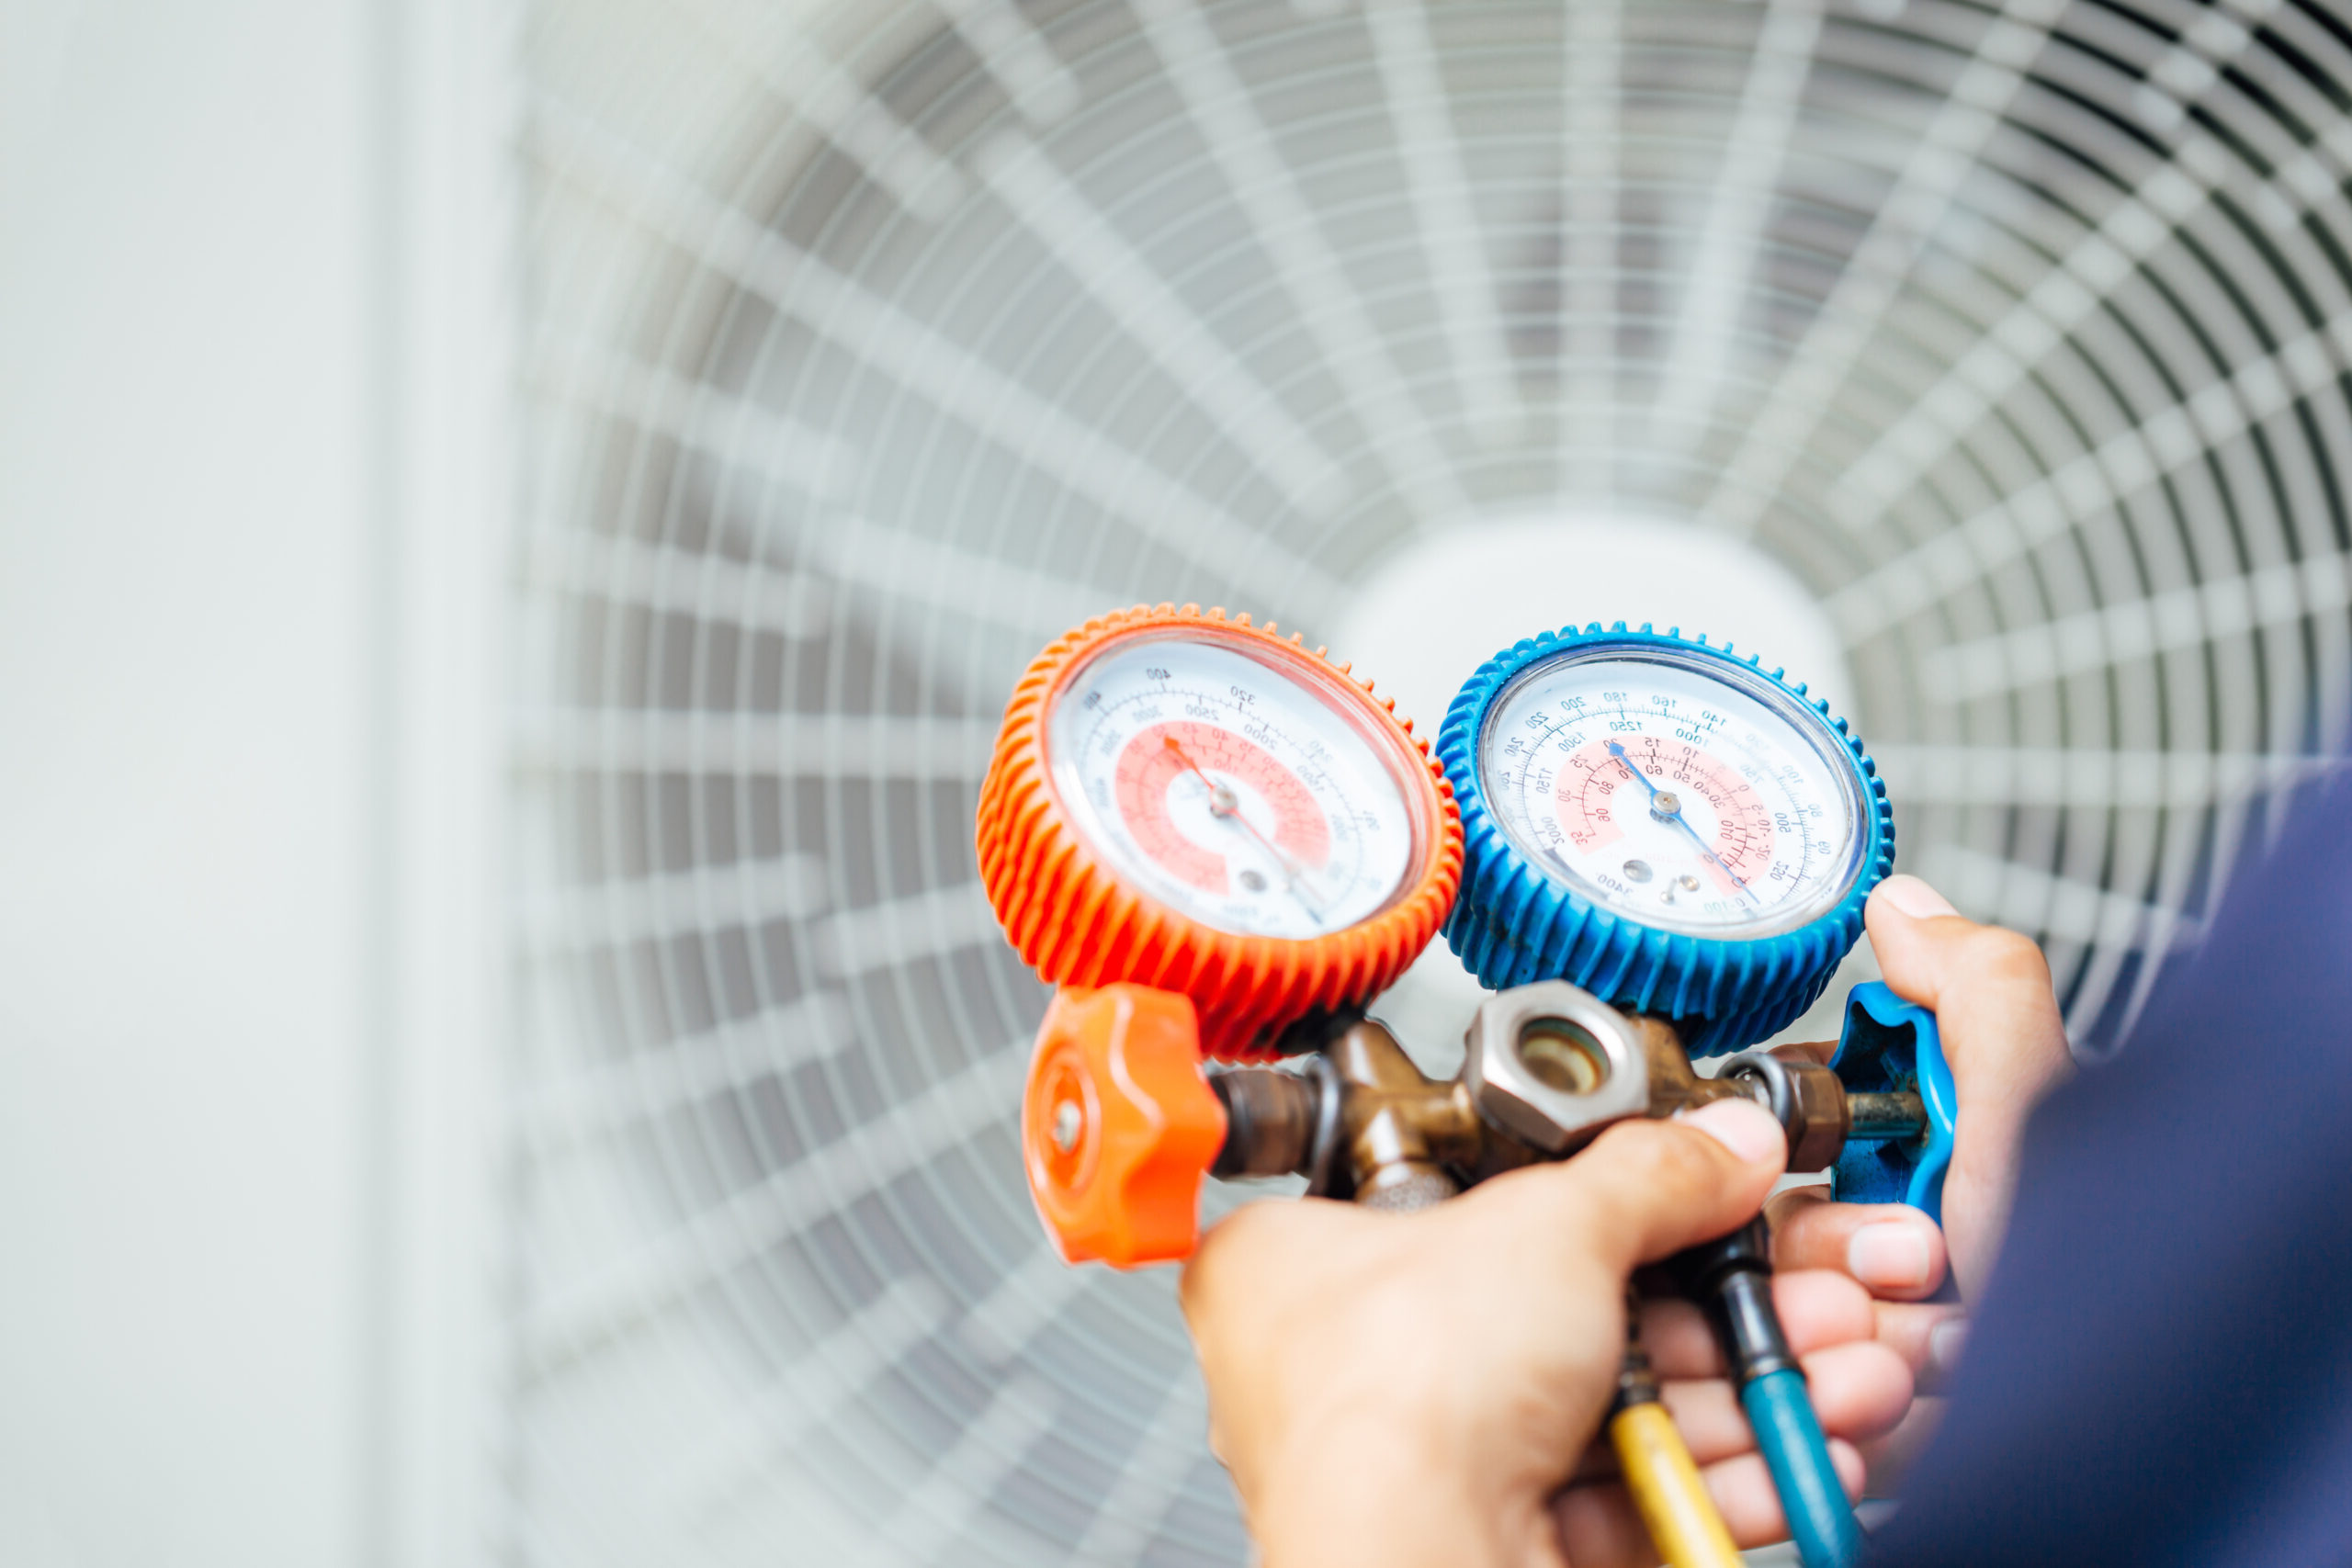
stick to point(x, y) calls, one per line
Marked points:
point(1513, 925)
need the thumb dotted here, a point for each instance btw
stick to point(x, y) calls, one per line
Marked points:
point(1646, 1190)
point(1988, 988)
point(2002, 1034)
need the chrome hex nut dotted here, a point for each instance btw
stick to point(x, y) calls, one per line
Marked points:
point(1552, 1066)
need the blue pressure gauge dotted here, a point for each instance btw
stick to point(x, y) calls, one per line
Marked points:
point(1666, 825)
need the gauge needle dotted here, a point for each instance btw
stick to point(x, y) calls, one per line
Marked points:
point(1669, 807)
point(1225, 806)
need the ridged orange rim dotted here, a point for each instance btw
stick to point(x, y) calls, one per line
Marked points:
point(1077, 923)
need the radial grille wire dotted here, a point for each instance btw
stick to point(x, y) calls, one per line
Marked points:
point(869, 349)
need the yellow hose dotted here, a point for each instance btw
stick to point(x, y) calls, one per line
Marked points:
point(1673, 1501)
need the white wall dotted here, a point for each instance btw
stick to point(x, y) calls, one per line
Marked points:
point(193, 723)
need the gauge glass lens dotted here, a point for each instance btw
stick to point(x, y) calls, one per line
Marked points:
point(1684, 795)
point(1232, 790)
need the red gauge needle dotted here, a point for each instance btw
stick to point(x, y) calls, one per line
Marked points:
point(1225, 806)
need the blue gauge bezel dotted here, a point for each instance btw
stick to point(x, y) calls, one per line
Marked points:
point(1516, 922)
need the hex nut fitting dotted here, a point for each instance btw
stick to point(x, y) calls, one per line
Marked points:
point(1553, 1088)
point(1808, 1101)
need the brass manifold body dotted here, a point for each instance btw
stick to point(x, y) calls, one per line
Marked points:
point(1546, 1069)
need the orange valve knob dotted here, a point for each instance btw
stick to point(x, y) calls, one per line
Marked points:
point(1197, 805)
point(1118, 1127)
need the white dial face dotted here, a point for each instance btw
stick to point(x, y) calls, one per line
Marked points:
point(1675, 796)
point(1228, 789)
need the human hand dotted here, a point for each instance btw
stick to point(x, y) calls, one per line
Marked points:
point(1419, 1388)
point(1859, 1390)
point(2007, 1045)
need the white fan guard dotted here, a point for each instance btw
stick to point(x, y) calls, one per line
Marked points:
point(868, 349)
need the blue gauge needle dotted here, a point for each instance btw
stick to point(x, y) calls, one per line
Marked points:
point(1667, 807)
point(1226, 806)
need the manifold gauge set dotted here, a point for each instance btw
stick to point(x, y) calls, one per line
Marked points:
point(1221, 847)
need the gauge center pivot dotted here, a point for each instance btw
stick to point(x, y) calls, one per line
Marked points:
point(1217, 811)
point(1692, 807)
point(1655, 824)
point(1229, 793)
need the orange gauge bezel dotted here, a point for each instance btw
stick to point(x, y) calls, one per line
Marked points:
point(1079, 922)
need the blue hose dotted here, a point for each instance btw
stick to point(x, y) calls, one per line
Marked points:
point(1821, 1521)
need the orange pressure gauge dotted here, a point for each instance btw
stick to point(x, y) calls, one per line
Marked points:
point(1197, 806)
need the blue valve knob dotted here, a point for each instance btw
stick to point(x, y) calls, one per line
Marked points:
point(1890, 1046)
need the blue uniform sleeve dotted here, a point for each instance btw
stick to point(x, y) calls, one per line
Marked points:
point(2160, 1370)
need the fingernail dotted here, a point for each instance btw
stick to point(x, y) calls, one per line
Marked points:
point(1746, 1129)
point(1915, 898)
point(1890, 1256)
point(1945, 1341)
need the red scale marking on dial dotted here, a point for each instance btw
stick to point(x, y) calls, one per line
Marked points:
point(1594, 792)
point(1149, 767)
